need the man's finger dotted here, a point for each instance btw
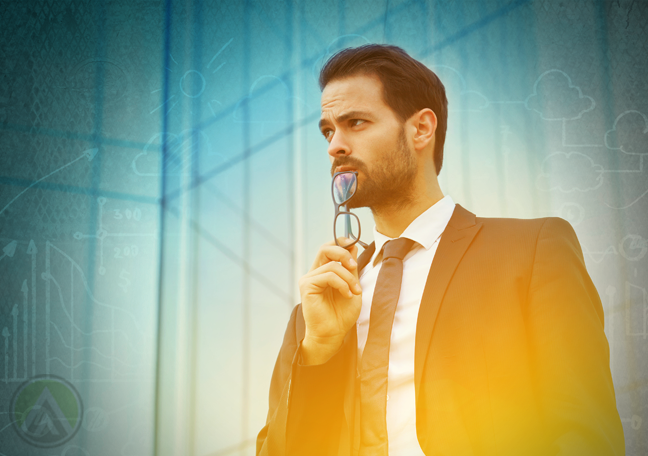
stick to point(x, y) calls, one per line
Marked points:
point(350, 278)
point(320, 282)
point(331, 252)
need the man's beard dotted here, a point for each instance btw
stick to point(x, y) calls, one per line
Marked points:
point(390, 183)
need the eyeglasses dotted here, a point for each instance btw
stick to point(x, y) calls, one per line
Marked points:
point(345, 224)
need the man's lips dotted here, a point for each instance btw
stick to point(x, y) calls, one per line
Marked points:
point(339, 169)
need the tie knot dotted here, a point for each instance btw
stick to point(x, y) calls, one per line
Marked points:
point(397, 248)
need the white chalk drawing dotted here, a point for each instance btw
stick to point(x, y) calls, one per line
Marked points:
point(635, 422)
point(632, 203)
point(102, 234)
point(339, 43)
point(27, 366)
point(640, 170)
point(636, 310)
point(268, 102)
point(192, 84)
point(574, 213)
point(217, 54)
point(114, 367)
point(629, 134)
point(633, 247)
point(555, 97)
point(95, 419)
point(9, 250)
point(188, 85)
point(598, 257)
point(569, 172)
point(112, 323)
point(89, 154)
point(181, 152)
point(464, 100)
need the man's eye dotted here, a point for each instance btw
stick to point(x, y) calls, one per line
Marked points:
point(356, 122)
point(327, 134)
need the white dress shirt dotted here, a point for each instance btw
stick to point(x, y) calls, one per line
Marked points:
point(426, 231)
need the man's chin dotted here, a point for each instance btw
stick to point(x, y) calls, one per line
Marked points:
point(356, 203)
point(354, 206)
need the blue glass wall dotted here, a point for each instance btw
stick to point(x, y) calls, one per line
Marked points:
point(163, 185)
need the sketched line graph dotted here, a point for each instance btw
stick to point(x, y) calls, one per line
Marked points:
point(112, 347)
point(633, 247)
point(109, 323)
point(598, 256)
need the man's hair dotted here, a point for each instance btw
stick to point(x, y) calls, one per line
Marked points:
point(408, 85)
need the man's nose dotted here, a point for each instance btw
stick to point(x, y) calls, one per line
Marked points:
point(338, 145)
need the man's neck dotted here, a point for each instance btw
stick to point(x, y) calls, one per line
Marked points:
point(392, 221)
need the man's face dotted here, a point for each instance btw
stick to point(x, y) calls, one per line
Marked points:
point(365, 135)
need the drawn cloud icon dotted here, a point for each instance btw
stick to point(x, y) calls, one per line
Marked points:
point(459, 98)
point(629, 134)
point(554, 97)
point(569, 172)
point(269, 101)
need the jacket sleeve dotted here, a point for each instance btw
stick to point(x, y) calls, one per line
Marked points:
point(570, 351)
point(306, 412)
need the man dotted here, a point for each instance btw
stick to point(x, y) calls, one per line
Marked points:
point(452, 334)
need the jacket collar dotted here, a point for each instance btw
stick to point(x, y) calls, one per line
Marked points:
point(455, 240)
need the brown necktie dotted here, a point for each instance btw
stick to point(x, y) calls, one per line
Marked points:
point(375, 357)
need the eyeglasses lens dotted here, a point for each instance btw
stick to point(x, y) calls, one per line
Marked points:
point(347, 226)
point(344, 187)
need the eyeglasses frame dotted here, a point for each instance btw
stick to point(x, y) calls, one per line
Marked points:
point(338, 212)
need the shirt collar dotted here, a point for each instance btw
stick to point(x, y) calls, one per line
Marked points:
point(424, 229)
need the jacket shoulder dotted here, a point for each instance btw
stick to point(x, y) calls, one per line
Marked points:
point(518, 228)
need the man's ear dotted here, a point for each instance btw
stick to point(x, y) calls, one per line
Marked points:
point(424, 124)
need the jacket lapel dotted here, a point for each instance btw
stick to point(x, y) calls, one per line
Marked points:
point(455, 240)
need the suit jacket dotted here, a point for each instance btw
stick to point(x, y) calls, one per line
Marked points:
point(510, 357)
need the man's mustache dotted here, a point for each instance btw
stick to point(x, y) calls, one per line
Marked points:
point(348, 161)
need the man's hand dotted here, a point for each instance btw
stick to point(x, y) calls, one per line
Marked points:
point(331, 301)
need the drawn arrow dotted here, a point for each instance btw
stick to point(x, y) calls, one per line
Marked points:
point(89, 154)
point(14, 314)
point(25, 290)
point(32, 250)
point(5, 334)
point(635, 422)
point(9, 249)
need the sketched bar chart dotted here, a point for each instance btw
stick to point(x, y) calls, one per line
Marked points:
point(68, 347)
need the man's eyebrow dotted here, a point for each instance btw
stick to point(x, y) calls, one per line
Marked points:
point(344, 117)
